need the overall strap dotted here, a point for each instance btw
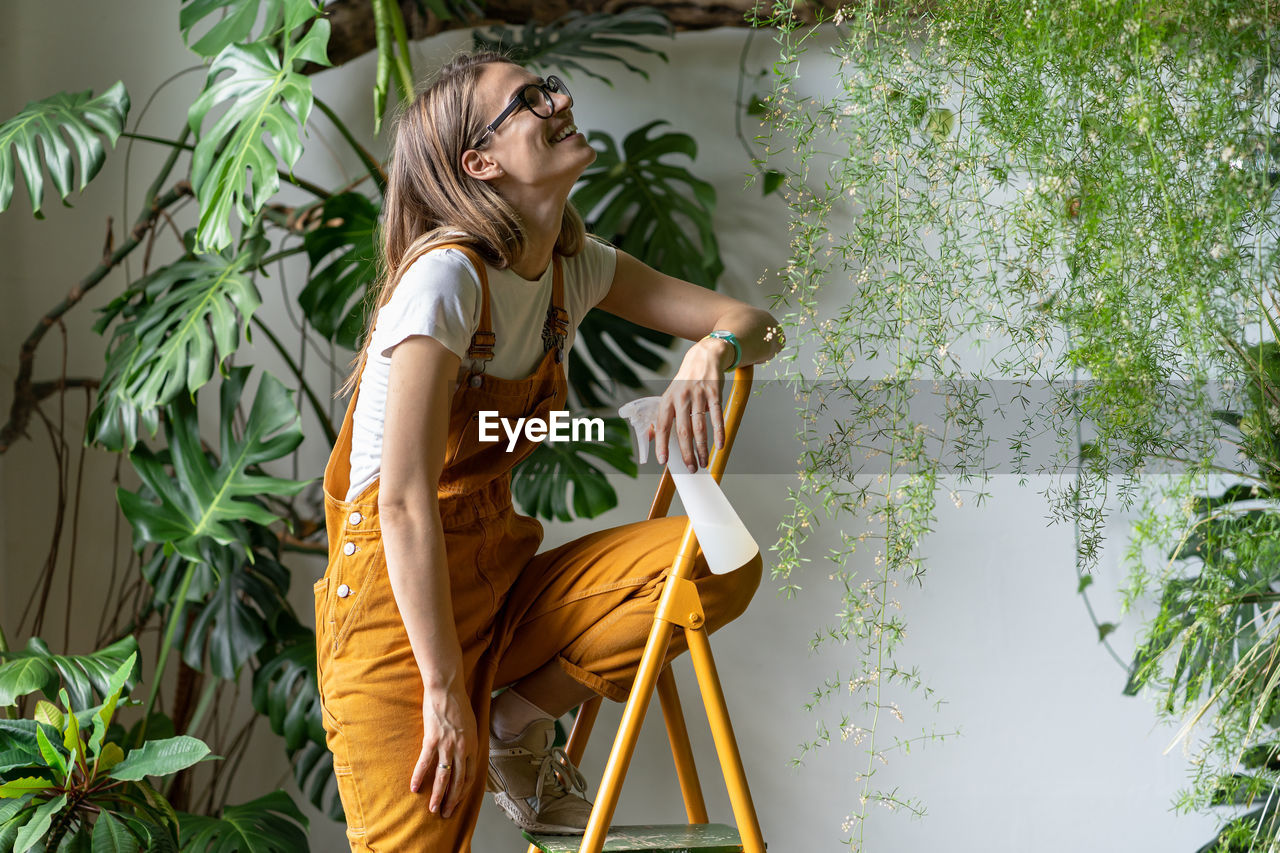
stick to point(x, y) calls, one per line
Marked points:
point(556, 329)
point(482, 342)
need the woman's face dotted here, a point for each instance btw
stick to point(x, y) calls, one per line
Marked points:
point(522, 146)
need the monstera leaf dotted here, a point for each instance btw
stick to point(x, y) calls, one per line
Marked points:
point(594, 38)
point(204, 502)
point(285, 690)
point(597, 387)
point(237, 21)
point(541, 482)
point(270, 824)
point(183, 321)
point(41, 125)
point(235, 621)
point(256, 93)
point(635, 201)
point(313, 771)
point(83, 676)
point(333, 299)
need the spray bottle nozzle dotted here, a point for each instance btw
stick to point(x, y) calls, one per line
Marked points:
point(643, 415)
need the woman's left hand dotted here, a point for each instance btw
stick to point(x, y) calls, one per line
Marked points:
point(696, 389)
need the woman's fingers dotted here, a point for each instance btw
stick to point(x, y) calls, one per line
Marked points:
point(687, 414)
point(444, 775)
point(700, 434)
point(426, 762)
point(683, 436)
point(717, 422)
point(461, 777)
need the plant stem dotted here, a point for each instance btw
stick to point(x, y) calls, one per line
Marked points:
point(402, 51)
point(180, 145)
point(370, 164)
point(175, 613)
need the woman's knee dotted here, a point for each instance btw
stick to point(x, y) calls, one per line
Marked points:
point(733, 592)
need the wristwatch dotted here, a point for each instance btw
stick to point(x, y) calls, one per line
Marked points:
point(726, 335)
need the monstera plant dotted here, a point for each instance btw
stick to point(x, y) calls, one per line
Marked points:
point(212, 526)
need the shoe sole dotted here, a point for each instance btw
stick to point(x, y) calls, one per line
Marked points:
point(520, 819)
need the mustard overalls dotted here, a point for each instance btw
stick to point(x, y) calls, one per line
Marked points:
point(588, 604)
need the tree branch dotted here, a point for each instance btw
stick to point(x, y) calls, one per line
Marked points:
point(352, 33)
point(26, 395)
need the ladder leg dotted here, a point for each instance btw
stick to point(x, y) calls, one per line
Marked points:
point(735, 776)
point(655, 651)
point(681, 751)
point(582, 725)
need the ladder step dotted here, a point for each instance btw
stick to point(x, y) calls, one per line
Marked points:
point(673, 838)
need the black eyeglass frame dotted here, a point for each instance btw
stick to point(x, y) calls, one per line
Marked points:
point(553, 86)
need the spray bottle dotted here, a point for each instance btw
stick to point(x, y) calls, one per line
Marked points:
point(723, 538)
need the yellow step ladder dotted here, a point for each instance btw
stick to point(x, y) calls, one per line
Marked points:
point(679, 607)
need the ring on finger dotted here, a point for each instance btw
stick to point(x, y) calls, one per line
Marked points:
point(444, 766)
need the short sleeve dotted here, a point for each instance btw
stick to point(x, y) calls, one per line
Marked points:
point(598, 260)
point(437, 296)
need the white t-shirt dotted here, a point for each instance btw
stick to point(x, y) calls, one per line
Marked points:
point(439, 295)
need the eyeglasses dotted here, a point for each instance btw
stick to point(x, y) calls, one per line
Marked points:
point(535, 96)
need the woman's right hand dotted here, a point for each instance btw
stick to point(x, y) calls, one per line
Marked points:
point(448, 737)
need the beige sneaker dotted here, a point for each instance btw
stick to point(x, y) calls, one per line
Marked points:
point(534, 782)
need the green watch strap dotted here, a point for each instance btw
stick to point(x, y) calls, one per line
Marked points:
point(726, 335)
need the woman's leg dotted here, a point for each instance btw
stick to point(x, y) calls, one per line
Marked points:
point(371, 689)
point(578, 617)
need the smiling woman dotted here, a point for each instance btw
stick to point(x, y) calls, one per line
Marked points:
point(435, 593)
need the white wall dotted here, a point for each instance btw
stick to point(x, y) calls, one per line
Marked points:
point(1052, 757)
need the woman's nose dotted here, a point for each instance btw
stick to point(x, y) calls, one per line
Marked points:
point(561, 101)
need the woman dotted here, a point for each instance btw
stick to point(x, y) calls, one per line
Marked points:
point(434, 595)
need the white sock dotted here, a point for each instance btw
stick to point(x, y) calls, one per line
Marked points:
point(511, 714)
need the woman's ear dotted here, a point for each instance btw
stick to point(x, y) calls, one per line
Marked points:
point(480, 165)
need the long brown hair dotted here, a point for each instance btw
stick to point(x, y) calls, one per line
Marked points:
point(431, 201)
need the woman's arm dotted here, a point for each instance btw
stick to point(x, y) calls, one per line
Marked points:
point(652, 299)
point(648, 298)
point(415, 432)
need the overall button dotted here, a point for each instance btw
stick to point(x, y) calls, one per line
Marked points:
point(355, 518)
point(349, 548)
point(344, 591)
point(476, 380)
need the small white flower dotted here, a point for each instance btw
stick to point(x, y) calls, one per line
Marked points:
point(1217, 251)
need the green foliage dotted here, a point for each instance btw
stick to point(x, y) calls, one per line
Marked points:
point(181, 323)
point(285, 691)
point(56, 791)
point(207, 502)
point(236, 23)
point(40, 127)
point(574, 38)
point(635, 201)
point(83, 676)
point(262, 94)
point(1038, 195)
point(542, 482)
point(270, 824)
point(335, 296)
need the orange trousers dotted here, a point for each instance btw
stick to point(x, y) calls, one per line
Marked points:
point(587, 604)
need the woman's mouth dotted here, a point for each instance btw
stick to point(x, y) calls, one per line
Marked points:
point(565, 132)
